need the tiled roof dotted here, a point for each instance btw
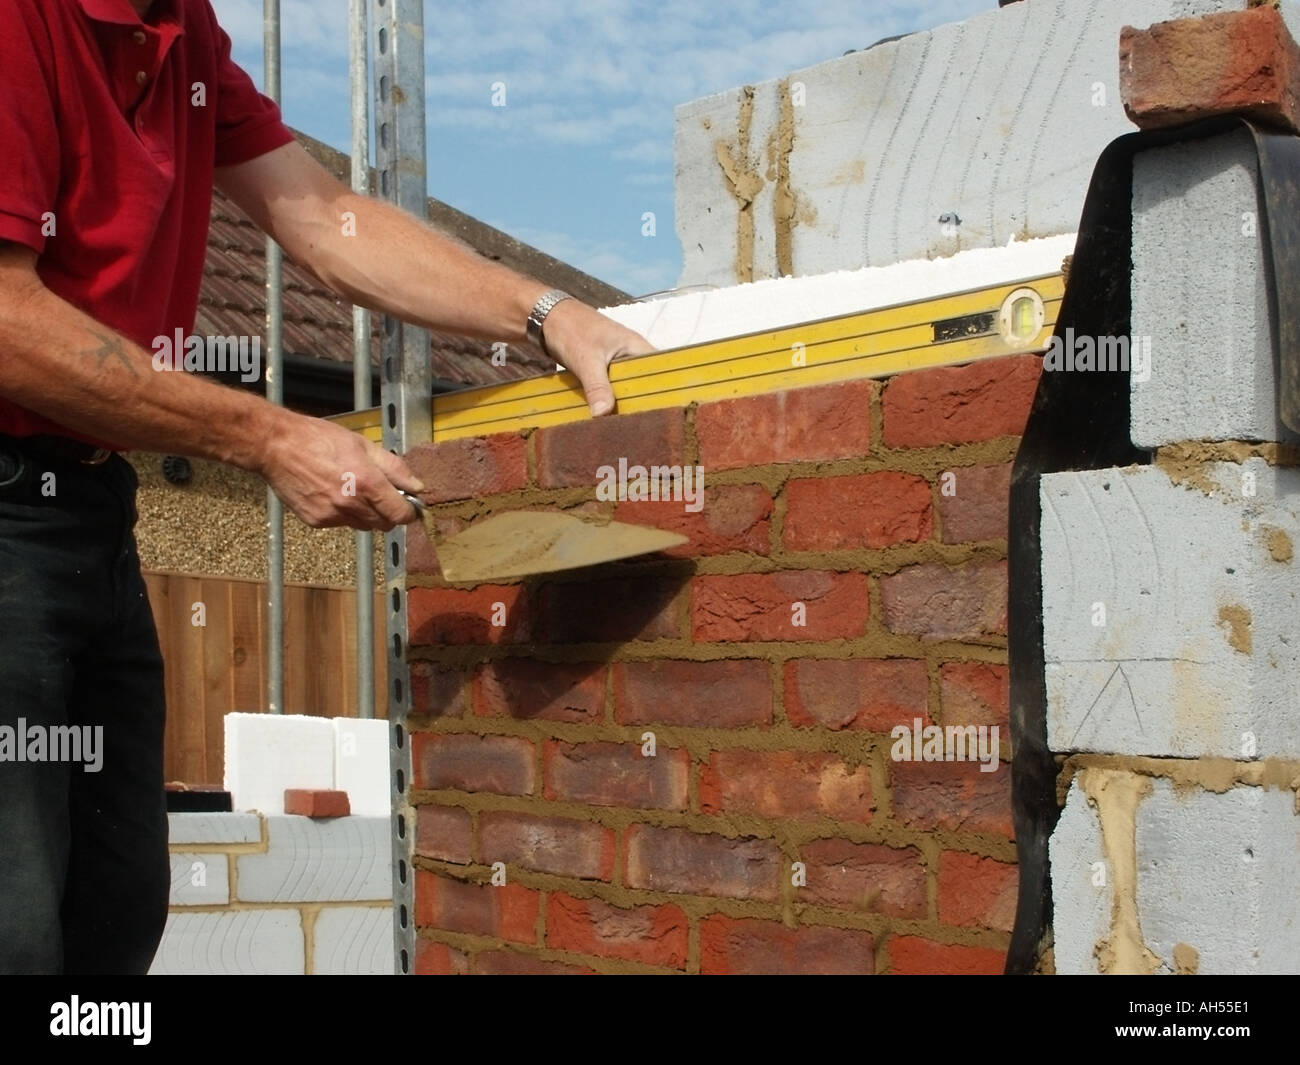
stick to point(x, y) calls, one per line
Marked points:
point(318, 324)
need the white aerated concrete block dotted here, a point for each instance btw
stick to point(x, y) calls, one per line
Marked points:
point(361, 765)
point(267, 753)
point(241, 942)
point(1221, 873)
point(1082, 892)
point(958, 137)
point(214, 828)
point(342, 859)
point(1199, 294)
point(353, 941)
point(1169, 614)
point(199, 880)
point(1215, 872)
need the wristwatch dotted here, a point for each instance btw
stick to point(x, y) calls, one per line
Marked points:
point(540, 310)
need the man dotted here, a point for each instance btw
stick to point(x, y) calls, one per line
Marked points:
point(116, 117)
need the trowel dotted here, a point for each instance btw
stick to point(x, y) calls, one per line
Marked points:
point(523, 543)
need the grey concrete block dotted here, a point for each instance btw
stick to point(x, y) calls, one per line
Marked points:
point(1198, 293)
point(199, 879)
point(241, 942)
point(998, 120)
point(1221, 874)
point(1169, 613)
point(1082, 893)
point(342, 859)
point(214, 828)
point(352, 941)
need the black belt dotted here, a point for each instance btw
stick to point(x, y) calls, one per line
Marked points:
point(64, 449)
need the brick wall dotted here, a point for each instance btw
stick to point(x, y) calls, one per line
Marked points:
point(837, 583)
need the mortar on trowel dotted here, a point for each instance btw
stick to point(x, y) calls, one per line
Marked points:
point(525, 543)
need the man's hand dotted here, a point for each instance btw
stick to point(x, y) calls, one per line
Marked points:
point(585, 341)
point(329, 476)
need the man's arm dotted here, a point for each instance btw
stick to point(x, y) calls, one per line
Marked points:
point(406, 268)
point(63, 364)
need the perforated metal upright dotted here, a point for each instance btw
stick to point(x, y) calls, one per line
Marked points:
point(405, 380)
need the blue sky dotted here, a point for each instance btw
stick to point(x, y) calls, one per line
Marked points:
point(584, 145)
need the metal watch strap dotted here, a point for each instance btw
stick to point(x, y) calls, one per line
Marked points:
point(537, 316)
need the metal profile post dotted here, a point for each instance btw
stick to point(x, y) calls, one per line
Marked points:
point(358, 78)
point(405, 388)
point(274, 393)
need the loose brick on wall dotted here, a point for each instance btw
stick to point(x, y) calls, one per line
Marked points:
point(469, 467)
point(572, 454)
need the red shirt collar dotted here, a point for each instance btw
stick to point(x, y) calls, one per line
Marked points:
point(122, 13)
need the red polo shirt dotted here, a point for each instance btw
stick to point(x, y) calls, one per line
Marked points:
point(110, 128)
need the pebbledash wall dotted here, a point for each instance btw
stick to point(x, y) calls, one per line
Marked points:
point(684, 763)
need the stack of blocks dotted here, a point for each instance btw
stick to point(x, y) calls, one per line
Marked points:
point(1170, 591)
point(259, 891)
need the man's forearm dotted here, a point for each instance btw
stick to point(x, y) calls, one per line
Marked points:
point(408, 269)
point(63, 364)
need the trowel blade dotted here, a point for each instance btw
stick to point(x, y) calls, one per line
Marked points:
point(524, 543)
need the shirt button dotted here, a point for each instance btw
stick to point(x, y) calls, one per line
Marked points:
point(139, 36)
point(141, 77)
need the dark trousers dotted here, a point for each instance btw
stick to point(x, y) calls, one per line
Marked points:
point(84, 870)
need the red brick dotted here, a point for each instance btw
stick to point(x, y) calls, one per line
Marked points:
point(316, 802)
point(500, 764)
point(555, 845)
point(694, 863)
point(444, 833)
point(760, 606)
point(614, 611)
point(785, 784)
point(617, 774)
point(751, 947)
point(977, 508)
point(436, 616)
point(507, 912)
point(736, 517)
point(573, 453)
point(910, 956)
point(975, 693)
point(437, 692)
point(956, 796)
point(805, 424)
point(937, 603)
point(438, 959)
point(874, 510)
point(512, 963)
point(728, 694)
point(470, 466)
point(856, 693)
point(654, 935)
point(1235, 62)
point(525, 688)
point(977, 891)
point(864, 876)
point(961, 404)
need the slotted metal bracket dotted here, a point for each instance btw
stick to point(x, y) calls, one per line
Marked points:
point(406, 411)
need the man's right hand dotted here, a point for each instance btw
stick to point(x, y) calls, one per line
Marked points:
point(330, 476)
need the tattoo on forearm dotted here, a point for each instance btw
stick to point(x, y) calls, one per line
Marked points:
point(109, 346)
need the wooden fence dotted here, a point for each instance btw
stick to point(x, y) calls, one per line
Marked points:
point(212, 632)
